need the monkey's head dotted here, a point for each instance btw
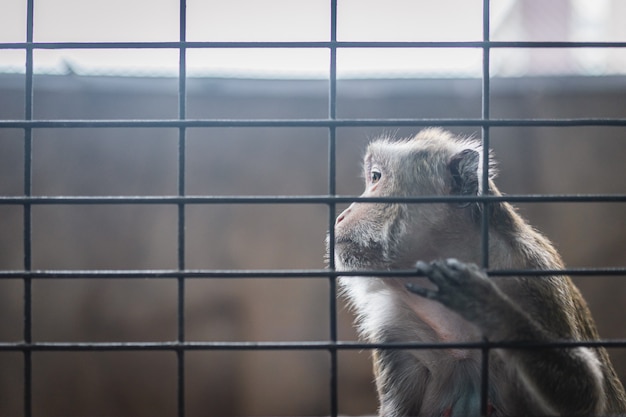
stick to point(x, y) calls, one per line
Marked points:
point(396, 235)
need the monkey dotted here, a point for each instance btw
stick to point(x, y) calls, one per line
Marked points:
point(451, 299)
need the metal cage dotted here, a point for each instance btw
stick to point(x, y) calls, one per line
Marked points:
point(181, 201)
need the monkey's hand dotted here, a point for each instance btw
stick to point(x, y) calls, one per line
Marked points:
point(461, 287)
point(561, 381)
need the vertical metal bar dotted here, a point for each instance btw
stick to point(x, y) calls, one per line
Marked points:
point(332, 114)
point(182, 110)
point(28, 150)
point(486, 89)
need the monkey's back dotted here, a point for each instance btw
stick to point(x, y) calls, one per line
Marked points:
point(555, 301)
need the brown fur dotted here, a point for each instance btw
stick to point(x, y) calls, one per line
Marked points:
point(456, 301)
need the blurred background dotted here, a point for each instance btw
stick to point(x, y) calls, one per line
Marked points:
point(271, 84)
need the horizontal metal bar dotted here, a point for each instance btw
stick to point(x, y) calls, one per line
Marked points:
point(306, 44)
point(304, 345)
point(167, 273)
point(277, 273)
point(190, 123)
point(305, 199)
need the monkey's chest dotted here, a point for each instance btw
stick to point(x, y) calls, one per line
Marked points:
point(437, 323)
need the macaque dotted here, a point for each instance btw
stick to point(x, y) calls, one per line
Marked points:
point(451, 299)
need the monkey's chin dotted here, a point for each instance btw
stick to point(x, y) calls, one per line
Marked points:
point(340, 262)
point(343, 263)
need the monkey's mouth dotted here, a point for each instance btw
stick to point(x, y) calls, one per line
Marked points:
point(352, 254)
point(343, 240)
point(343, 237)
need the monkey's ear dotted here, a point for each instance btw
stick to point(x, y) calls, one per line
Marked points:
point(464, 168)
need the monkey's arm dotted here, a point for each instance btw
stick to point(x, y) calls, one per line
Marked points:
point(563, 381)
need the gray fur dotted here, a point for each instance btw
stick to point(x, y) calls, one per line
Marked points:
point(453, 300)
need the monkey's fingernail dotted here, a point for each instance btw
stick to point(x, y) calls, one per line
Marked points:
point(422, 266)
point(453, 262)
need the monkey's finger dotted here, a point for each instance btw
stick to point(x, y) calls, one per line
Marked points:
point(455, 271)
point(457, 265)
point(463, 271)
point(428, 270)
point(439, 274)
point(421, 291)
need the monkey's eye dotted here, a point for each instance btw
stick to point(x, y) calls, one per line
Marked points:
point(375, 176)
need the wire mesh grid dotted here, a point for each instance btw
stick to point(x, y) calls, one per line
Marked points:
point(333, 345)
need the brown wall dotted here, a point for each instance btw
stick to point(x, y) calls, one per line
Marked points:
point(259, 161)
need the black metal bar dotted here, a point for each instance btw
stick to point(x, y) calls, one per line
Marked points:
point(279, 273)
point(308, 345)
point(306, 199)
point(305, 44)
point(182, 114)
point(27, 217)
point(332, 279)
point(485, 115)
point(326, 123)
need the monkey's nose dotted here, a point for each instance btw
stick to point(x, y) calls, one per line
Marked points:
point(342, 216)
